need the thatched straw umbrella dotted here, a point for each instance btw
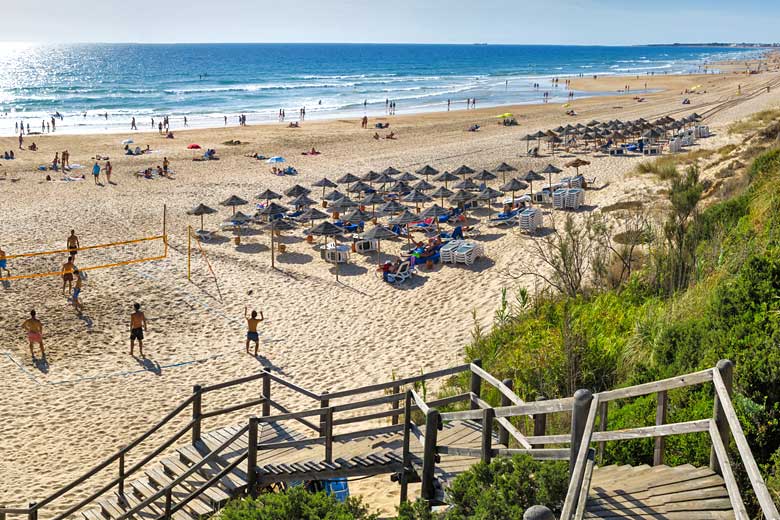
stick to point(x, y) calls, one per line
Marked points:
point(200, 210)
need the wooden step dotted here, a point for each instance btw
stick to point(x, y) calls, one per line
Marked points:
point(194, 509)
point(234, 482)
point(662, 492)
point(215, 495)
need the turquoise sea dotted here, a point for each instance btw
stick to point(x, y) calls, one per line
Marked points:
point(206, 82)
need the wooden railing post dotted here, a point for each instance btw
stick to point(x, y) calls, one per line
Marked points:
point(603, 415)
point(168, 503)
point(488, 415)
point(266, 394)
point(432, 422)
point(406, 454)
point(660, 419)
point(476, 384)
point(726, 369)
point(579, 418)
point(540, 423)
point(33, 508)
point(396, 405)
point(503, 433)
point(121, 483)
point(329, 435)
point(251, 461)
point(197, 412)
point(324, 403)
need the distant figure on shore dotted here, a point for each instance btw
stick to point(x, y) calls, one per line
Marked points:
point(364, 122)
point(252, 322)
point(76, 291)
point(67, 275)
point(21, 141)
point(4, 264)
point(73, 243)
point(132, 125)
point(96, 173)
point(225, 120)
point(108, 169)
point(137, 329)
point(34, 329)
point(185, 121)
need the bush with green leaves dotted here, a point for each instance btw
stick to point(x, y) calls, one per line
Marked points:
point(296, 504)
point(503, 489)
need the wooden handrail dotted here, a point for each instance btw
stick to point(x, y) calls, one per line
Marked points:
point(695, 378)
point(751, 468)
point(577, 475)
point(132, 470)
point(401, 382)
point(500, 386)
point(728, 474)
point(184, 476)
point(507, 426)
point(293, 386)
point(234, 382)
point(113, 458)
point(420, 403)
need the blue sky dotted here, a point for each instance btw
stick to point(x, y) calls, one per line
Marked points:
point(607, 22)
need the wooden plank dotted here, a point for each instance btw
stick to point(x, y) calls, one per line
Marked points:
point(400, 382)
point(579, 466)
point(751, 468)
point(293, 386)
point(728, 474)
point(549, 439)
point(654, 431)
point(695, 378)
point(537, 407)
point(504, 422)
point(500, 386)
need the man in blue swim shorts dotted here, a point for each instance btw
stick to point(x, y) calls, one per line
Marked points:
point(252, 334)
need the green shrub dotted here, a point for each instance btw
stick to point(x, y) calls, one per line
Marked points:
point(503, 489)
point(296, 504)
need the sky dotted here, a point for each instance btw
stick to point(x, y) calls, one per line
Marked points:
point(607, 22)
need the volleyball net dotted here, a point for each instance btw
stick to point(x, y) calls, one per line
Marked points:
point(42, 264)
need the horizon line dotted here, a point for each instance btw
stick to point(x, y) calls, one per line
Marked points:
point(715, 44)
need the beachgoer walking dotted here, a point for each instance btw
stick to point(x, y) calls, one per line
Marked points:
point(34, 329)
point(4, 264)
point(225, 120)
point(76, 291)
point(364, 122)
point(185, 121)
point(108, 170)
point(73, 243)
point(252, 334)
point(137, 329)
point(21, 141)
point(67, 275)
point(55, 163)
point(96, 173)
point(53, 125)
point(132, 125)
point(448, 105)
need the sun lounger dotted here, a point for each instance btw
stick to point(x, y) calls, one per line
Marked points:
point(403, 273)
point(447, 251)
point(468, 252)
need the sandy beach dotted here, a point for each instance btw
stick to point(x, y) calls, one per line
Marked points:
point(93, 398)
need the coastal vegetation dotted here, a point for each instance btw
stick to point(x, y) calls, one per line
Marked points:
point(708, 288)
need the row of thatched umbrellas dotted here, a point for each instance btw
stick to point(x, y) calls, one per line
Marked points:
point(420, 193)
point(614, 129)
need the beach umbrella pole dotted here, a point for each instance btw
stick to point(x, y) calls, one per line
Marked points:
point(273, 266)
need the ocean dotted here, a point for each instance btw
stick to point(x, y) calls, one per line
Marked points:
point(206, 82)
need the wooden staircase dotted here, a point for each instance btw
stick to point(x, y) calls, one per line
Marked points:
point(660, 492)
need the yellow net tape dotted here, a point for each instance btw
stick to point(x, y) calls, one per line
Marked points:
point(93, 267)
